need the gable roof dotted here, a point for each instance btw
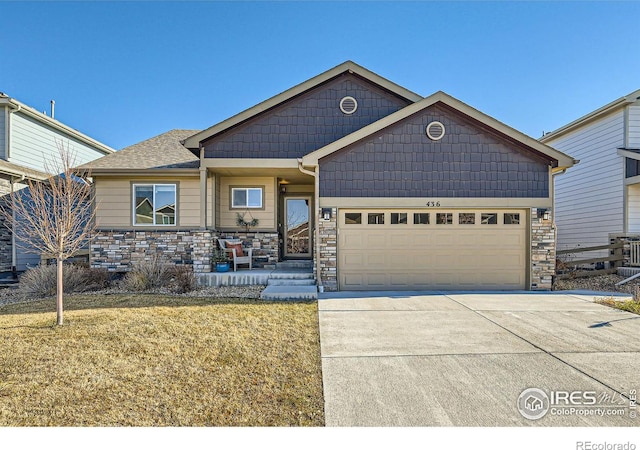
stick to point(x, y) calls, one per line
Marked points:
point(559, 159)
point(160, 152)
point(594, 115)
point(53, 123)
point(346, 67)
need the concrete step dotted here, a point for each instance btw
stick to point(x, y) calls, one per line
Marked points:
point(301, 264)
point(289, 293)
point(290, 282)
point(291, 274)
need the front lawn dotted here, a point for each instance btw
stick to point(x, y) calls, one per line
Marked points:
point(152, 360)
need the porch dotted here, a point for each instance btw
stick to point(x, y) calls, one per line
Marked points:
point(289, 280)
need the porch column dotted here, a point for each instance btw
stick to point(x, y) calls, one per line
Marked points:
point(203, 198)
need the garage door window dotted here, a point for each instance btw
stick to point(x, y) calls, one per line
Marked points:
point(398, 218)
point(421, 218)
point(511, 219)
point(489, 219)
point(376, 219)
point(352, 218)
point(466, 218)
point(444, 218)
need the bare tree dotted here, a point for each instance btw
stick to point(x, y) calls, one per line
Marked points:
point(54, 217)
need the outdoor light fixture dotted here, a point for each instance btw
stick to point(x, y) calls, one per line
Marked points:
point(283, 188)
point(544, 213)
point(326, 213)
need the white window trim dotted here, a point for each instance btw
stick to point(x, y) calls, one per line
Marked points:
point(153, 186)
point(247, 189)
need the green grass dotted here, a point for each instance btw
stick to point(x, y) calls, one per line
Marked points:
point(149, 360)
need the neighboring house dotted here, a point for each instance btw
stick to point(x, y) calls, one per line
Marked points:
point(29, 139)
point(601, 195)
point(400, 191)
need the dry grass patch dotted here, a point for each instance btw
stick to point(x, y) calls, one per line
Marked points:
point(626, 305)
point(148, 360)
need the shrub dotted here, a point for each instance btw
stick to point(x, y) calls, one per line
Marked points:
point(182, 279)
point(41, 281)
point(158, 273)
point(149, 274)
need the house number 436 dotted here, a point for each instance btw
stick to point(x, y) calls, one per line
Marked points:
point(433, 204)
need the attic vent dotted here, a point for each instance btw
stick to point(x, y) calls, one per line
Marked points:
point(435, 131)
point(348, 105)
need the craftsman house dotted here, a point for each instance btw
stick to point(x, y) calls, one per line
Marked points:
point(378, 186)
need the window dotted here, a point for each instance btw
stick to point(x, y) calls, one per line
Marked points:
point(352, 218)
point(511, 219)
point(246, 197)
point(398, 218)
point(489, 219)
point(421, 218)
point(444, 218)
point(376, 219)
point(466, 218)
point(633, 167)
point(154, 204)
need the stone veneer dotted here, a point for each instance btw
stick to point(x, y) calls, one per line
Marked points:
point(266, 246)
point(117, 250)
point(543, 252)
point(328, 260)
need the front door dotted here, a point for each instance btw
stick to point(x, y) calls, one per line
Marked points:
point(297, 227)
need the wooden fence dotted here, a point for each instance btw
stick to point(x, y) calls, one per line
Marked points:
point(574, 268)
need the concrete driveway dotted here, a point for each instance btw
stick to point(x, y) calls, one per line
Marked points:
point(464, 359)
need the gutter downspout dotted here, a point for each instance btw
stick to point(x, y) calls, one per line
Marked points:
point(15, 109)
point(316, 215)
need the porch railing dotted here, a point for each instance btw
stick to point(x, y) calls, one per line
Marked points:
point(573, 268)
point(634, 253)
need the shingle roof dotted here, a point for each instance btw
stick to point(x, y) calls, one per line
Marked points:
point(160, 152)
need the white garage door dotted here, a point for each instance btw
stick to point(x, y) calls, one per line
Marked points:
point(432, 249)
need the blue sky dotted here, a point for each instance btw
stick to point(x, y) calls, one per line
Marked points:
point(122, 72)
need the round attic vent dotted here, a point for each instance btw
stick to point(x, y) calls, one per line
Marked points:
point(435, 131)
point(348, 105)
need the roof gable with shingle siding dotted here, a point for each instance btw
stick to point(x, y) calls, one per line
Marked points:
point(401, 161)
point(306, 122)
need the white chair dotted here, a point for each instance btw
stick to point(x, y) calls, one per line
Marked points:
point(246, 258)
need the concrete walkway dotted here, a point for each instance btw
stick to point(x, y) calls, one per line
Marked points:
point(463, 359)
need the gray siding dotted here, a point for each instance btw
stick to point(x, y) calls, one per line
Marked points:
point(401, 161)
point(25, 259)
point(634, 127)
point(306, 123)
point(589, 198)
point(3, 130)
point(33, 143)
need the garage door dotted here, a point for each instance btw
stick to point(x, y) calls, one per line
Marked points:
point(433, 249)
